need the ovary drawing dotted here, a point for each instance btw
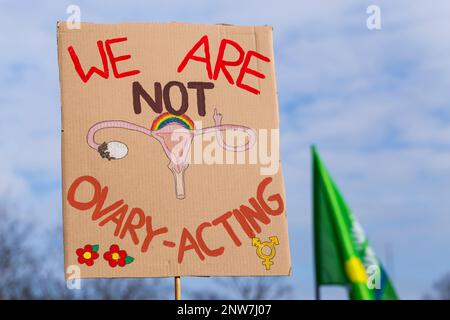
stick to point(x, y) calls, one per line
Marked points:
point(175, 134)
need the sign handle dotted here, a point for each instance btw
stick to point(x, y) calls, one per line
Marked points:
point(177, 288)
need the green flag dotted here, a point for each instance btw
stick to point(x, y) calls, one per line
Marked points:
point(343, 254)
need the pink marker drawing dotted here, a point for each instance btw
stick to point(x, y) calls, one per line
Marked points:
point(175, 134)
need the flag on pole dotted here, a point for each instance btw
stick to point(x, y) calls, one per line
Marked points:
point(343, 255)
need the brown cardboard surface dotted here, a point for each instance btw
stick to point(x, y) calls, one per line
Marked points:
point(142, 178)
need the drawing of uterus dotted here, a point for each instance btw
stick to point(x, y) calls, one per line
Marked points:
point(175, 135)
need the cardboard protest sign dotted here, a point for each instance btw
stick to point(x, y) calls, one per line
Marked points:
point(170, 151)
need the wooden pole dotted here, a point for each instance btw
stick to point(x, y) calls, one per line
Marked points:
point(313, 193)
point(177, 288)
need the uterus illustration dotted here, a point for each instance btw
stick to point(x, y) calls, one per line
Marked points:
point(175, 134)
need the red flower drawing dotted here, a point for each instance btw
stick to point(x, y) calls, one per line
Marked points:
point(88, 254)
point(117, 257)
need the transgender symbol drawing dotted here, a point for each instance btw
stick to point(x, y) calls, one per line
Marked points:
point(175, 134)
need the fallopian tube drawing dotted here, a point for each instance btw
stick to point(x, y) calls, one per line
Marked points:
point(175, 134)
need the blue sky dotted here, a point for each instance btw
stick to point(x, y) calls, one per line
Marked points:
point(376, 103)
